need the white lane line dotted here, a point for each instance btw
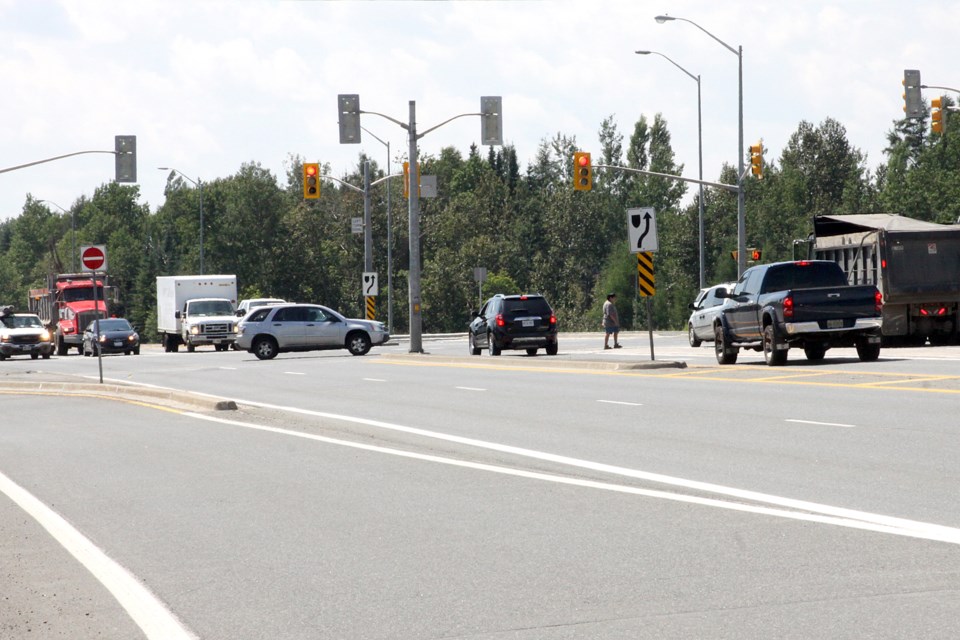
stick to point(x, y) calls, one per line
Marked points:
point(824, 424)
point(228, 368)
point(374, 379)
point(919, 529)
point(629, 404)
point(470, 388)
point(871, 523)
point(295, 373)
point(143, 607)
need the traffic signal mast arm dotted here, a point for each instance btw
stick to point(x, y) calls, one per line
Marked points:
point(729, 187)
point(30, 164)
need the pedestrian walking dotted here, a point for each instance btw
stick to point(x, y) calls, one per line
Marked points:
point(611, 322)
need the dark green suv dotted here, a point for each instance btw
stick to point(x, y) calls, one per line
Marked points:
point(514, 322)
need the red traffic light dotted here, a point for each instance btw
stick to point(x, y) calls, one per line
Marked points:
point(311, 169)
point(583, 159)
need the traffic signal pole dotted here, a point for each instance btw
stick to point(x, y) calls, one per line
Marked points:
point(491, 134)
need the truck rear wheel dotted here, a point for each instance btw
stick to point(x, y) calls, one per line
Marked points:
point(773, 356)
point(62, 347)
point(725, 353)
point(867, 351)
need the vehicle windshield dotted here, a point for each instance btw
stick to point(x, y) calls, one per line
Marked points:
point(79, 294)
point(22, 322)
point(210, 308)
point(112, 324)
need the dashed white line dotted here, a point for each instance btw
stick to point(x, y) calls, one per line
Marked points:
point(295, 373)
point(374, 380)
point(629, 404)
point(470, 388)
point(823, 424)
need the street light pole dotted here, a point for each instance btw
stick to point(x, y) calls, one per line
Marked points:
point(389, 239)
point(700, 146)
point(198, 183)
point(741, 210)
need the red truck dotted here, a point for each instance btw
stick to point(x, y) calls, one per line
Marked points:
point(68, 304)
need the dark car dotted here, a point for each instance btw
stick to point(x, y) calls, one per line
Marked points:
point(116, 336)
point(514, 322)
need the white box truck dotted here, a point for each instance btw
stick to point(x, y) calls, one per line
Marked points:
point(196, 310)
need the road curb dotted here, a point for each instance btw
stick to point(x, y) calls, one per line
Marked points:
point(545, 362)
point(186, 399)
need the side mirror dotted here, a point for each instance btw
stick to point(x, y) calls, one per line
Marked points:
point(239, 313)
point(176, 314)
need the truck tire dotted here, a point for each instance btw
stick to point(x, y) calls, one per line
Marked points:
point(62, 347)
point(814, 353)
point(725, 353)
point(773, 356)
point(867, 351)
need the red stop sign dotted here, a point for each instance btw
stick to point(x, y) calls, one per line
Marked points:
point(92, 258)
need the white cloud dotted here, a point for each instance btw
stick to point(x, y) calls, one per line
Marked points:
point(207, 86)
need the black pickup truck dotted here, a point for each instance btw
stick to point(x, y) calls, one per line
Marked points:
point(806, 304)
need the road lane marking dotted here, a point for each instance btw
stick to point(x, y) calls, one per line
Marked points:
point(374, 380)
point(823, 424)
point(629, 404)
point(470, 388)
point(811, 512)
point(143, 607)
point(295, 373)
point(228, 368)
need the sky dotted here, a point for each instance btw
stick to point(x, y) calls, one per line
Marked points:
point(209, 85)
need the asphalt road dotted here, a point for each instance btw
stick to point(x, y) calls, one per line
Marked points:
point(440, 496)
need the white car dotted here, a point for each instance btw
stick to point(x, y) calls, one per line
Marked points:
point(246, 306)
point(704, 311)
point(267, 331)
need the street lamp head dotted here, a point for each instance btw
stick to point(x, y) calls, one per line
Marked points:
point(662, 19)
point(644, 53)
point(163, 168)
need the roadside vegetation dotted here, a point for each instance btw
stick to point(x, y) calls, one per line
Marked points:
point(529, 229)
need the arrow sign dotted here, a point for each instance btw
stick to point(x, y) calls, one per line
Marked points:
point(369, 283)
point(94, 257)
point(642, 229)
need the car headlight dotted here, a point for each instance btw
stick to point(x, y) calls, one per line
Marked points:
point(45, 336)
point(195, 330)
point(133, 337)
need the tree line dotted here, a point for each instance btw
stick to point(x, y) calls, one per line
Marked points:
point(529, 229)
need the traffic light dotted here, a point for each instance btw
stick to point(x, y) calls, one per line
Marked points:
point(912, 102)
point(756, 160)
point(491, 123)
point(349, 118)
point(936, 114)
point(582, 171)
point(311, 180)
point(125, 153)
point(756, 254)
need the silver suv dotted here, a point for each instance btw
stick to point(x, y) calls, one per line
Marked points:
point(267, 331)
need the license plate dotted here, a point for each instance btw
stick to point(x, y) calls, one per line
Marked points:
point(527, 323)
point(834, 324)
point(118, 343)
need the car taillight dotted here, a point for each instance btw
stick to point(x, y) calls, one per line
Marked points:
point(553, 319)
point(878, 302)
point(940, 311)
point(499, 320)
point(788, 307)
